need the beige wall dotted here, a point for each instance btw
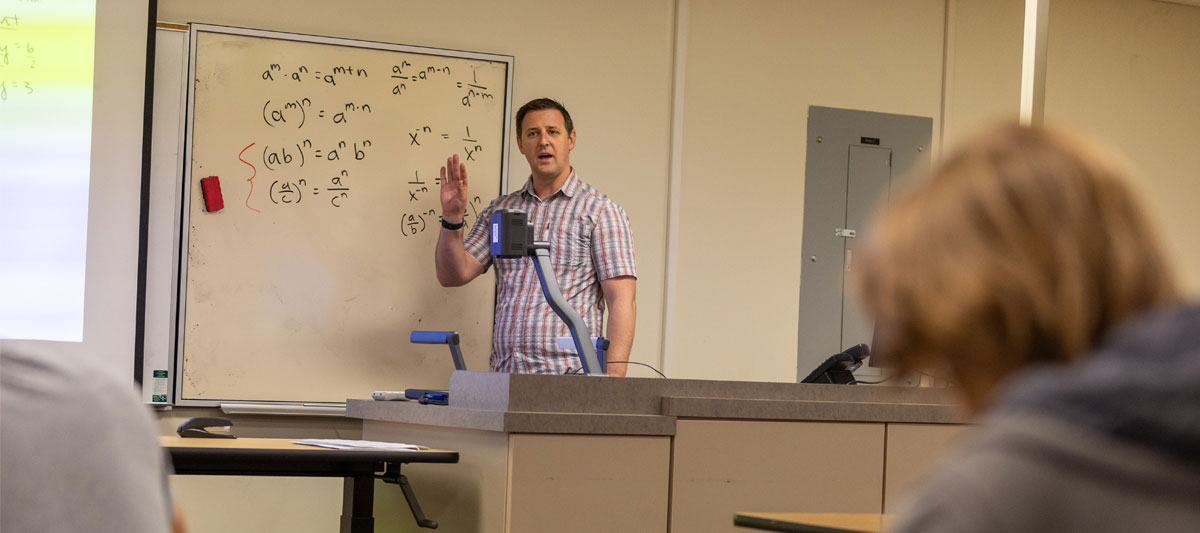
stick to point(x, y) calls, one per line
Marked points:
point(983, 67)
point(752, 70)
point(1128, 71)
point(1122, 70)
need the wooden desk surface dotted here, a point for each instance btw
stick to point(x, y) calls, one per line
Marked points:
point(257, 456)
point(251, 443)
point(254, 443)
point(813, 522)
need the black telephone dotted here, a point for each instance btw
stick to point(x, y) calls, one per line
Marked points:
point(840, 367)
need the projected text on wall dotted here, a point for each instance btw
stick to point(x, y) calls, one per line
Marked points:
point(46, 58)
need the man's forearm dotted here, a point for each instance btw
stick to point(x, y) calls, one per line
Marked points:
point(622, 316)
point(455, 267)
point(621, 319)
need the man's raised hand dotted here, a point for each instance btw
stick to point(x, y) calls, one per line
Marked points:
point(454, 190)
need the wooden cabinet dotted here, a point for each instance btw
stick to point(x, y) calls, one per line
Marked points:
point(724, 466)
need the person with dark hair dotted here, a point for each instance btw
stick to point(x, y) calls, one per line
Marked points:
point(1024, 269)
point(591, 249)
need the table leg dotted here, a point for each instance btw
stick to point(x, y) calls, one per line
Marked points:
point(358, 499)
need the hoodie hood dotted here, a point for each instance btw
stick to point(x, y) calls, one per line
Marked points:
point(1141, 385)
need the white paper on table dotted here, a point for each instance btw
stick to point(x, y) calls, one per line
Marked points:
point(345, 444)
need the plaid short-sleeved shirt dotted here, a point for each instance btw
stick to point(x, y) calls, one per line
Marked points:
point(589, 240)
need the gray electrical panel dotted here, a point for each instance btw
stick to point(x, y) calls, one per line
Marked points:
point(854, 160)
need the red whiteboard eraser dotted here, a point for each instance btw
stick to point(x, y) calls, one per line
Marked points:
point(211, 188)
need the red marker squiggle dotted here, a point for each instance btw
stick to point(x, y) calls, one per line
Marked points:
point(251, 178)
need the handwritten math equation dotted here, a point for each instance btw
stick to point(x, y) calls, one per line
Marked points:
point(17, 58)
point(322, 130)
point(426, 133)
point(295, 112)
point(416, 222)
point(280, 157)
point(19, 54)
point(330, 76)
point(297, 160)
point(402, 79)
point(17, 88)
point(287, 192)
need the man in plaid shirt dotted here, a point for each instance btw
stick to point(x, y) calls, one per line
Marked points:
point(591, 249)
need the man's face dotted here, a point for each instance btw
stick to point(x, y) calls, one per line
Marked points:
point(546, 143)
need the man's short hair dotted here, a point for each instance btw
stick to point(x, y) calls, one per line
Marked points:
point(541, 104)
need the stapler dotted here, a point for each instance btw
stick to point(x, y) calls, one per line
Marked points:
point(200, 426)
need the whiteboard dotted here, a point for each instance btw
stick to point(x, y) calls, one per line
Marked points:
point(305, 285)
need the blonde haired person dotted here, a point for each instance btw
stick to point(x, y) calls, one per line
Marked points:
point(1024, 269)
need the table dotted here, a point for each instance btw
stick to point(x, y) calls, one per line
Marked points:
point(813, 522)
point(281, 457)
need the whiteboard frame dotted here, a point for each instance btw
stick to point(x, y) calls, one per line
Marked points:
point(180, 303)
point(158, 342)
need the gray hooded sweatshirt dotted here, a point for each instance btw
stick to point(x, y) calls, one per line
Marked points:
point(78, 450)
point(1110, 443)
